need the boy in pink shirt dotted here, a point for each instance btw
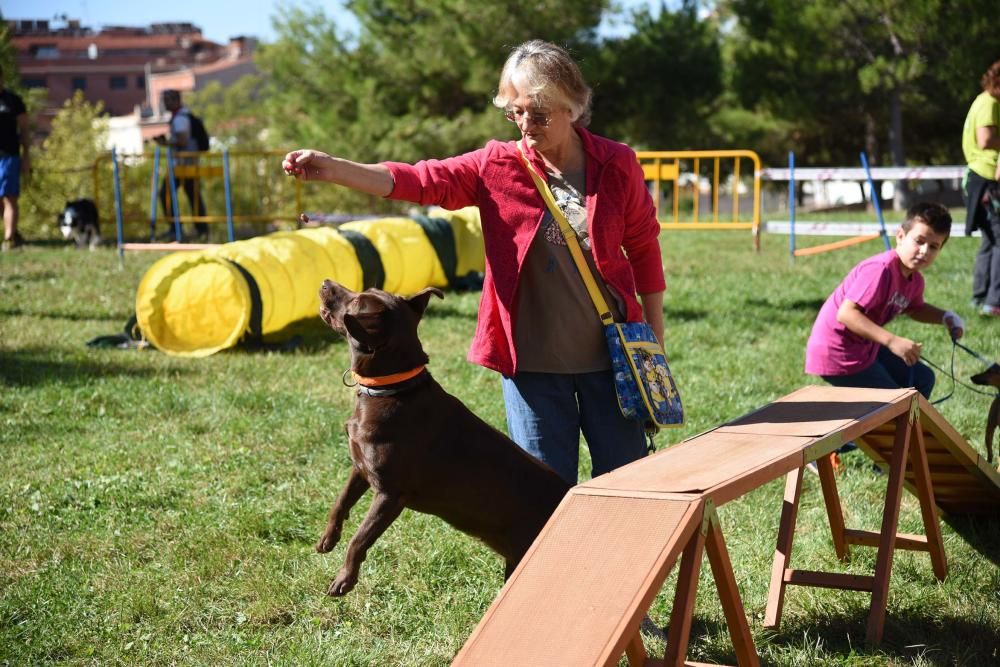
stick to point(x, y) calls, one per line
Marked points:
point(849, 346)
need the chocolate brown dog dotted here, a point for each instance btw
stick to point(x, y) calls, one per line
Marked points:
point(990, 377)
point(417, 446)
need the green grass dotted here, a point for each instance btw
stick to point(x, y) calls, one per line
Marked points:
point(156, 510)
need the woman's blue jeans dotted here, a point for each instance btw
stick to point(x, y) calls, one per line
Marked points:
point(547, 411)
point(888, 372)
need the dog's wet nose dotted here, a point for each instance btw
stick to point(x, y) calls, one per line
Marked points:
point(326, 289)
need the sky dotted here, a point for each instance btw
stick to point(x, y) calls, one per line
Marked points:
point(218, 20)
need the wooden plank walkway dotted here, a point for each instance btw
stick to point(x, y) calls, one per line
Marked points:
point(580, 593)
point(603, 559)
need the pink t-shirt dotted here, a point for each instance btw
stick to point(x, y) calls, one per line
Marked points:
point(877, 285)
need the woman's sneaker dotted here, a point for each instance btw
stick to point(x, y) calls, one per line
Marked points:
point(990, 311)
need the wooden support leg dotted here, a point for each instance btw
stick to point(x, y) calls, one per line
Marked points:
point(890, 522)
point(687, 589)
point(636, 651)
point(729, 595)
point(928, 509)
point(783, 551)
point(828, 482)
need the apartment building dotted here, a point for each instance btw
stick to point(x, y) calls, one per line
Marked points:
point(117, 64)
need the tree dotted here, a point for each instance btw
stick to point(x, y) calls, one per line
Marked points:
point(784, 67)
point(411, 84)
point(655, 87)
point(8, 56)
point(62, 167)
point(849, 75)
point(232, 114)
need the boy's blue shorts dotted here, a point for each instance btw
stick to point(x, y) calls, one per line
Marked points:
point(10, 176)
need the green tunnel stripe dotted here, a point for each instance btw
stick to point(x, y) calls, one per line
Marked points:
point(254, 332)
point(442, 239)
point(368, 257)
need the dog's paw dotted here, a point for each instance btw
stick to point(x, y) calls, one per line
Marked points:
point(342, 585)
point(328, 542)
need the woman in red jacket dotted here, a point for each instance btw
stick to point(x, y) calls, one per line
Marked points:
point(537, 324)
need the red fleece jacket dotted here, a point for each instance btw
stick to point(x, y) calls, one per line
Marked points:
point(621, 220)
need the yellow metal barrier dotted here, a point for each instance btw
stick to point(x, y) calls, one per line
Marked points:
point(677, 178)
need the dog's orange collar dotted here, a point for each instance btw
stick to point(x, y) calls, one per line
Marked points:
point(383, 380)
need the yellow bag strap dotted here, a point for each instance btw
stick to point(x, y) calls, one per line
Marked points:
point(574, 244)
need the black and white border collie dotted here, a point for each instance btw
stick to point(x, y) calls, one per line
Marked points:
point(78, 221)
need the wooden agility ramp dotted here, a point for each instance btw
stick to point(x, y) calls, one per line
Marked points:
point(581, 591)
point(964, 481)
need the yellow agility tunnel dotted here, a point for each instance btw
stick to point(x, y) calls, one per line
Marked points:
point(196, 303)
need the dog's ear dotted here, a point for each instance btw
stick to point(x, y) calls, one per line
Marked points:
point(366, 329)
point(418, 302)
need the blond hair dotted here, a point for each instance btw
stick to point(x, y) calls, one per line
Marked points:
point(549, 76)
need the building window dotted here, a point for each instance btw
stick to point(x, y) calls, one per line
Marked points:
point(45, 51)
point(33, 83)
point(79, 83)
point(118, 83)
point(140, 82)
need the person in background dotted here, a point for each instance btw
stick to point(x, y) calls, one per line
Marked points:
point(15, 160)
point(981, 146)
point(181, 139)
point(537, 325)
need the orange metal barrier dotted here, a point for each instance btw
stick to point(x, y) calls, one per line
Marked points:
point(677, 177)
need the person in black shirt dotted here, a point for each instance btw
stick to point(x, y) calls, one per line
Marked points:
point(181, 138)
point(14, 160)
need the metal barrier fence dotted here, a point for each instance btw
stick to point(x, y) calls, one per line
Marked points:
point(677, 178)
point(858, 231)
point(235, 186)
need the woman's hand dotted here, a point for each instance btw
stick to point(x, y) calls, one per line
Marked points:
point(309, 165)
point(652, 310)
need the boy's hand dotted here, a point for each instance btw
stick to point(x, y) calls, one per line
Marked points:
point(954, 324)
point(905, 349)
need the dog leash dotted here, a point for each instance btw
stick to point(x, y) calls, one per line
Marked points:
point(973, 353)
point(991, 421)
point(951, 373)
